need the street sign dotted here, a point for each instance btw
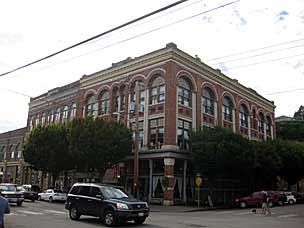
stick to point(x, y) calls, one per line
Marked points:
point(198, 181)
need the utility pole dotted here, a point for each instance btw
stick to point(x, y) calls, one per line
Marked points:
point(136, 148)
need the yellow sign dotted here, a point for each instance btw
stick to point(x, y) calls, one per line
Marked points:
point(198, 181)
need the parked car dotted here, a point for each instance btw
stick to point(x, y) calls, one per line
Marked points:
point(107, 202)
point(299, 196)
point(52, 195)
point(10, 192)
point(291, 199)
point(28, 194)
point(32, 187)
point(255, 199)
point(282, 198)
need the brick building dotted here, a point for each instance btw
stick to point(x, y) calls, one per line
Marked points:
point(180, 93)
point(11, 158)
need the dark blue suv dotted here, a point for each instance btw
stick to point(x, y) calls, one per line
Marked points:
point(107, 202)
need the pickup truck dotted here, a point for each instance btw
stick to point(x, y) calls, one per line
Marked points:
point(9, 191)
point(52, 195)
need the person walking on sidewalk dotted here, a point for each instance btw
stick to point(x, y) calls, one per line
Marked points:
point(4, 209)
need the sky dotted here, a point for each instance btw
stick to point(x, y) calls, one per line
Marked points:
point(260, 43)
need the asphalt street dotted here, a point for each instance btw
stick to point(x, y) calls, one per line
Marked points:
point(53, 215)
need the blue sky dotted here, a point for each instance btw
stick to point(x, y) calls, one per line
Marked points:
point(38, 28)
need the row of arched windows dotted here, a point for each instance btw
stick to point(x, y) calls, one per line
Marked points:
point(13, 152)
point(56, 115)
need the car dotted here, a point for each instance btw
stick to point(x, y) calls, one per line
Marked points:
point(9, 191)
point(291, 199)
point(52, 195)
point(33, 188)
point(256, 199)
point(299, 196)
point(111, 204)
point(282, 198)
point(27, 193)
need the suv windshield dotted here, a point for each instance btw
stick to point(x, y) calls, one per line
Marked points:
point(9, 188)
point(113, 193)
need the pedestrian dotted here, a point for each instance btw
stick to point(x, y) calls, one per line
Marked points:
point(268, 211)
point(264, 202)
point(4, 209)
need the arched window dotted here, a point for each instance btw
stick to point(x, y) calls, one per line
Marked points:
point(104, 103)
point(65, 113)
point(2, 152)
point(254, 119)
point(122, 98)
point(261, 123)
point(268, 125)
point(37, 120)
point(157, 90)
point(208, 101)
point(31, 123)
point(57, 115)
point(11, 152)
point(43, 118)
point(90, 105)
point(142, 95)
point(243, 116)
point(184, 92)
point(52, 115)
point(116, 99)
point(73, 111)
point(227, 108)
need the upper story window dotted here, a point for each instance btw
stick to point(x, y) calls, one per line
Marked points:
point(43, 118)
point(254, 119)
point(2, 153)
point(123, 92)
point(140, 133)
point(116, 100)
point(183, 132)
point(31, 123)
point(142, 95)
point(52, 115)
point(243, 116)
point(227, 109)
point(156, 133)
point(73, 111)
point(157, 90)
point(57, 115)
point(208, 101)
point(104, 103)
point(184, 92)
point(261, 123)
point(268, 125)
point(37, 120)
point(90, 105)
point(65, 113)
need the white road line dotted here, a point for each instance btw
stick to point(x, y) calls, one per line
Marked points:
point(224, 212)
point(287, 216)
point(56, 212)
point(244, 213)
point(30, 212)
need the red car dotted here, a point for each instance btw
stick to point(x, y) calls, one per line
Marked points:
point(255, 199)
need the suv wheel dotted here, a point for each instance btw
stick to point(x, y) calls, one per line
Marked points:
point(139, 220)
point(51, 199)
point(291, 202)
point(74, 214)
point(109, 218)
point(19, 204)
point(243, 204)
point(280, 202)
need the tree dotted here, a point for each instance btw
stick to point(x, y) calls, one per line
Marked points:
point(221, 153)
point(290, 130)
point(299, 115)
point(47, 149)
point(99, 143)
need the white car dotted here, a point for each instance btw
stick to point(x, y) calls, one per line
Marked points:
point(291, 199)
point(52, 195)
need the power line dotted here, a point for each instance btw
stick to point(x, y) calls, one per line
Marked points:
point(286, 91)
point(264, 53)
point(145, 33)
point(266, 61)
point(96, 36)
point(256, 49)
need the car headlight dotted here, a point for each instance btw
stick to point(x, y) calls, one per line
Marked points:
point(122, 206)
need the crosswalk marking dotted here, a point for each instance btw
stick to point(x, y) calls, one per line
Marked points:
point(287, 216)
point(30, 212)
point(56, 212)
point(244, 213)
